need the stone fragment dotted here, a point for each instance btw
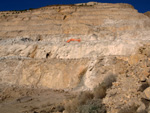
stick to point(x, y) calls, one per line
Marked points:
point(143, 79)
point(148, 81)
point(147, 93)
point(143, 86)
point(24, 99)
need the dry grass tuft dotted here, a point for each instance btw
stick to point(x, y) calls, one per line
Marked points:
point(73, 105)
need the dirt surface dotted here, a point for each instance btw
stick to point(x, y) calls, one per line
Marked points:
point(23, 100)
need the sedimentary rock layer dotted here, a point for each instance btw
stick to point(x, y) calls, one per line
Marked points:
point(34, 49)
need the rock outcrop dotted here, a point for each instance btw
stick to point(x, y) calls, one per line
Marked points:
point(147, 13)
point(40, 35)
point(115, 39)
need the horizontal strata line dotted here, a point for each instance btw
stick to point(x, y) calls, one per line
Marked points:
point(20, 31)
point(82, 10)
point(41, 59)
point(103, 13)
point(42, 25)
point(59, 25)
point(90, 13)
point(79, 14)
point(94, 10)
point(78, 11)
point(76, 19)
point(105, 9)
point(33, 31)
point(41, 32)
point(101, 16)
point(14, 57)
point(49, 21)
point(56, 19)
point(49, 25)
point(60, 15)
point(78, 7)
point(61, 43)
point(58, 35)
point(49, 28)
point(86, 17)
point(22, 36)
point(41, 29)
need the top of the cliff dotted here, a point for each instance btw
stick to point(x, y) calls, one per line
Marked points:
point(122, 5)
point(88, 4)
point(147, 13)
point(98, 3)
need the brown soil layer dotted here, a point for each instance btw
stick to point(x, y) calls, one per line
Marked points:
point(23, 100)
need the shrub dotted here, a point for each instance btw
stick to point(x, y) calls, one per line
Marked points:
point(30, 8)
point(100, 91)
point(88, 106)
point(74, 105)
point(93, 106)
point(109, 80)
point(84, 96)
point(71, 106)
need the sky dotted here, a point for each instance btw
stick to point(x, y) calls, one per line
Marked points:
point(5, 5)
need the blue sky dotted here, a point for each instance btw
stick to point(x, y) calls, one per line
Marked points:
point(141, 5)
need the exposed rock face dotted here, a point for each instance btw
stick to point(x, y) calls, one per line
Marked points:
point(102, 19)
point(113, 28)
point(114, 40)
point(32, 40)
point(54, 73)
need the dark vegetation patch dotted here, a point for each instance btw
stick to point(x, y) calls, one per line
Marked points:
point(26, 39)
